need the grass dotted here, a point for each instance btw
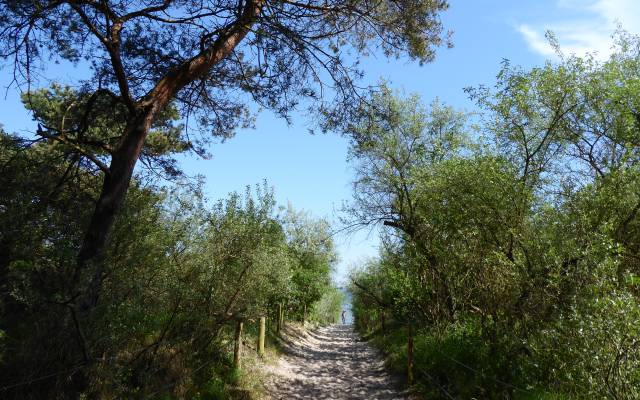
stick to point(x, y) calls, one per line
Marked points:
point(457, 362)
point(248, 382)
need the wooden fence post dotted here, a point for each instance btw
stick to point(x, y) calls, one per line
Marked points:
point(284, 315)
point(279, 324)
point(237, 348)
point(263, 323)
point(410, 354)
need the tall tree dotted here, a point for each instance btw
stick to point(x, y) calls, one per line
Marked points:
point(394, 141)
point(208, 58)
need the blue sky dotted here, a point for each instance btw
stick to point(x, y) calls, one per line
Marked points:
point(311, 171)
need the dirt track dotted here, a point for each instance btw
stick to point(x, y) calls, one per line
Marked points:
point(331, 363)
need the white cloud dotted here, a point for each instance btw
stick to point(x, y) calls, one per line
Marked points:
point(536, 40)
point(589, 31)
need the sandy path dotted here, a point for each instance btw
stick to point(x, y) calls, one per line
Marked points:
point(331, 363)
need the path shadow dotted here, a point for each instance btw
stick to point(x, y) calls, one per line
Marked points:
point(332, 363)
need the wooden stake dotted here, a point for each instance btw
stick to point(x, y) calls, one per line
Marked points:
point(237, 348)
point(263, 324)
point(279, 325)
point(284, 316)
point(410, 354)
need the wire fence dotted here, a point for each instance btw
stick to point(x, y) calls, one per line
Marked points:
point(435, 381)
point(493, 378)
point(76, 368)
point(465, 366)
point(417, 367)
point(31, 381)
point(447, 393)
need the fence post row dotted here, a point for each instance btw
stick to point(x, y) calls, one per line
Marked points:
point(237, 346)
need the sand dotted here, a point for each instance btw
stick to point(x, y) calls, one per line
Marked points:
point(331, 363)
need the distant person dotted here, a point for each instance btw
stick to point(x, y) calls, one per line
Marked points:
point(343, 321)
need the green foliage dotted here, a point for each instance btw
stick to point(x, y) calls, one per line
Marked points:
point(133, 48)
point(328, 308)
point(213, 390)
point(311, 248)
point(91, 125)
point(143, 290)
point(179, 274)
point(515, 255)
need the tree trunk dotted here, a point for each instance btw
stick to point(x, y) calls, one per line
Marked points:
point(124, 158)
point(114, 190)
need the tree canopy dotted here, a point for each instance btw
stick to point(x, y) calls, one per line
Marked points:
point(199, 61)
point(513, 251)
point(161, 67)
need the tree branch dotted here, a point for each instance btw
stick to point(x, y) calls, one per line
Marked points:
point(40, 132)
